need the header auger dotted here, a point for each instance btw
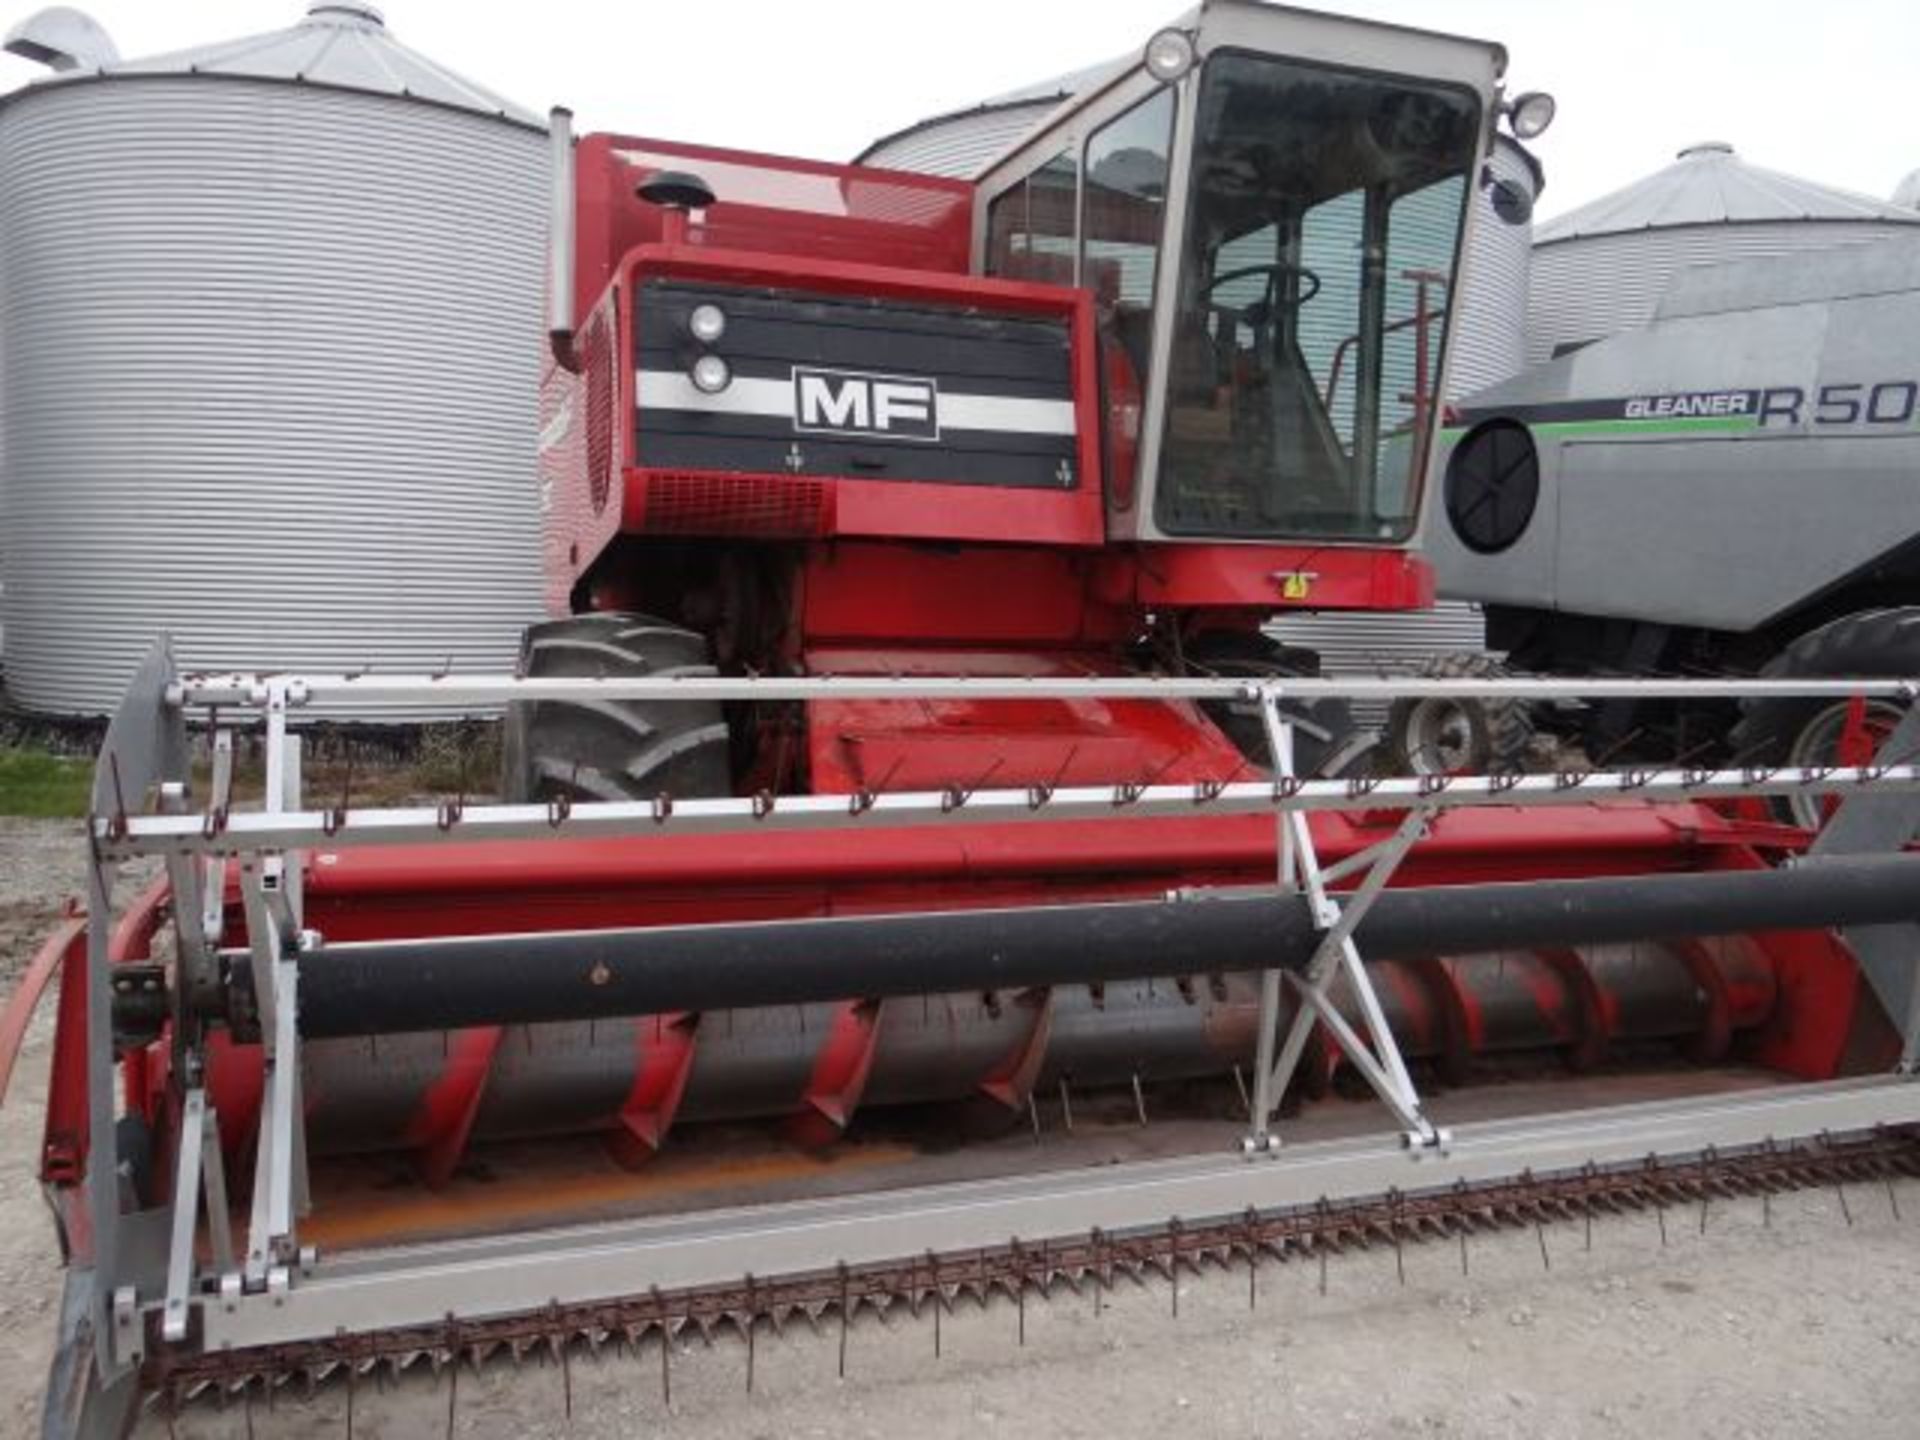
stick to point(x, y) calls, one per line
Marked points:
point(903, 765)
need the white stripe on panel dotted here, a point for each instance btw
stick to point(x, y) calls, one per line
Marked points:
point(1004, 414)
point(675, 390)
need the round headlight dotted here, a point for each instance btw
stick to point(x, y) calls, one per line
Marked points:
point(707, 323)
point(1169, 55)
point(711, 375)
point(1530, 114)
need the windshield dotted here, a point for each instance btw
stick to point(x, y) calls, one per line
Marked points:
point(1324, 213)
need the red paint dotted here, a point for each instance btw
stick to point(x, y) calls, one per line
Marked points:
point(766, 203)
point(66, 1133)
point(1008, 1084)
point(1196, 575)
point(665, 1060)
point(890, 745)
point(839, 1075)
point(841, 230)
point(51, 956)
point(64, 1136)
point(444, 1120)
point(1016, 600)
point(1824, 1020)
point(1816, 1026)
point(563, 883)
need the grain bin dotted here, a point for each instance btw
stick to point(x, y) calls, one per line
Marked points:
point(1490, 339)
point(270, 313)
point(1602, 268)
point(963, 143)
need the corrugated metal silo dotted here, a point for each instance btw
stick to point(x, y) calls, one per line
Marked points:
point(1602, 268)
point(1490, 342)
point(271, 316)
point(962, 143)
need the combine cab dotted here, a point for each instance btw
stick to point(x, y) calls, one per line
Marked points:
point(904, 767)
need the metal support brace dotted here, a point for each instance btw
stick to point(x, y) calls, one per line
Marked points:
point(213, 1183)
point(213, 912)
point(1377, 1057)
point(283, 797)
point(280, 1167)
point(199, 1174)
point(186, 875)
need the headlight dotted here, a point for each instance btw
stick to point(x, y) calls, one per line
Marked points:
point(711, 375)
point(707, 323)
point(1169, 55)
point(1530, 114)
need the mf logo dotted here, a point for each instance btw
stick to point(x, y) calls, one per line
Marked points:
point(848, 402)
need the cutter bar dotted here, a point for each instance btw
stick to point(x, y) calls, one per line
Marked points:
point(488, 1277)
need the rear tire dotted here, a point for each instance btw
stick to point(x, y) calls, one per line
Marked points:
point(1444, 737)
point(1808, 731)
point(613, 749)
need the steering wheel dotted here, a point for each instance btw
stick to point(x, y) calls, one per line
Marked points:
point(1275, 273)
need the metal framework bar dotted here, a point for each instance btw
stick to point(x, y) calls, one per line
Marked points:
point(199, 1183)
point(280, 1167)
point(213, 1172)
point(219, 802)
point(238, 833)
point(186, 1211)
point(1336, 956)
point(327, 692)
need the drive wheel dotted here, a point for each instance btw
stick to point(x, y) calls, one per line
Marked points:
point(1457, 737)
point(613, 749)
point(1817, 732)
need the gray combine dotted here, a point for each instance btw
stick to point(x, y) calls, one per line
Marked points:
point(1734, 488)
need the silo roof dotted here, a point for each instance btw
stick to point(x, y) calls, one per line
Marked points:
point(1042, 97)
point(1708, 184)
point(342, 44)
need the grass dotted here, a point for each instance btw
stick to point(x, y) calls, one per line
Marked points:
point(449, 759)
point(35, 783)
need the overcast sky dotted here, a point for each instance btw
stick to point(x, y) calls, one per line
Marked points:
point(1817, 88)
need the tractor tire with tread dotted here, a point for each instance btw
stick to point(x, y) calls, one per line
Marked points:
point(1431, 736)
point(1791, 731)
point(613, 749)
point(1324, 729)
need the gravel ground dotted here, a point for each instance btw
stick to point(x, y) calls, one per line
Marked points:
point(41, 865)
point(40, 868)
point(1808, 1328)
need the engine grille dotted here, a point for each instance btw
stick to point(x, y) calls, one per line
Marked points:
point(681, 502)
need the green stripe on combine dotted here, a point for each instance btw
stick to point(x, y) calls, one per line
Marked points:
point(1675, 425)
point(1679, 424)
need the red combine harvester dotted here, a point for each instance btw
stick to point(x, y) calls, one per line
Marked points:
point(906, 744)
